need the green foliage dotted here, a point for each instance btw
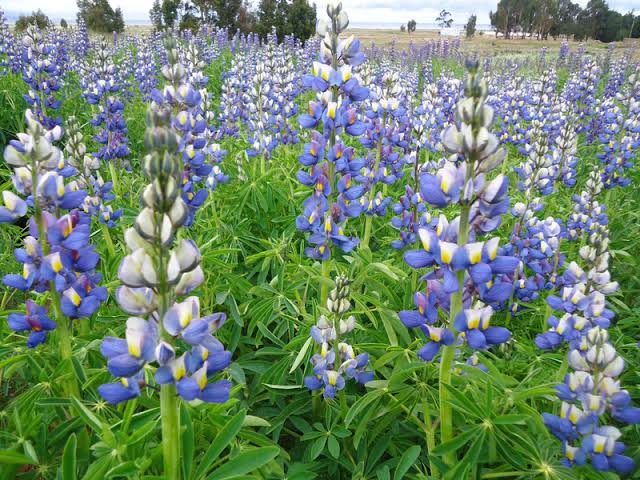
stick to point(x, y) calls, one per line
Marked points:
point(100, 17)
point(444, 19)
point(37, 18)
point(63, 23)
point(563, 17)
point(273, 428)
point(295, 17)
point(470, 27)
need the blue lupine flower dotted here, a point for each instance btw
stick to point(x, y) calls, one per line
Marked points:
point(34, 320)
point(124, 389)
point(83, 298)
point(127, 357)
point(14, 207)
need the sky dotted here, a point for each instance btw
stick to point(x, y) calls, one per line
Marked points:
point(360, 11)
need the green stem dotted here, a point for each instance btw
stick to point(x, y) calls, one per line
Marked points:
point(63, 332)
point(372, 193)
point(107, 239)
point(367, 230)
point(84, 326)
point(114, 178)
point(170, 414)
point(429, 434)
point(446, 362)
point(324, 286)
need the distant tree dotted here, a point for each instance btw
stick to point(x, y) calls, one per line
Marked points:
point(100, 17)
point(566, 16)
point(118, 21)
point(301, 19)
point(470, 27)
point(227, 12)
point(204, 9)
point(595, 17)
point(266, 17)
point(63, 23)
point(411, 26)
point(155, 14)
point(170, 13)
point(444, 19)
point(281, 21)
point(247, 21)
point(403, 28)
point(507, 18)
point(37, 18)
point(188, 21)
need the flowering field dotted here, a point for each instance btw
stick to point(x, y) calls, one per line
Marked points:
point(231, 259)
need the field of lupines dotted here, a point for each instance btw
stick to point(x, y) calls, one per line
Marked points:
point(225, 258)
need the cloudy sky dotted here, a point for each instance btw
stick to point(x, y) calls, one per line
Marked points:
point(360, 11)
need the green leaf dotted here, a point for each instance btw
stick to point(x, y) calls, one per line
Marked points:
point(245, 462)
point(253, 421)
point(53, 402)
point(470, 459)
point(317, 447)
point(408, 458)
point(69, 458)
point(383, 473)
point(141, 431)
point(385, 269)
point(361, 403)
point(11, 457)
point(98, 468)
point(334, 446)
point(283, 387)
point(87, 415)
point(457, 442)
point(126, 470)
point(224, 437)
point(461, 402)
point(512, 419)
point(301, 354)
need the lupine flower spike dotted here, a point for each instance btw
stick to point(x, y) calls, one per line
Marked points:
point(336, 360)
point(158, 270)
point(467, 276)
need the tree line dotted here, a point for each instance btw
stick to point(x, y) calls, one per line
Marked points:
point(286, 17)
point(563, 18)
point(98, 15)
